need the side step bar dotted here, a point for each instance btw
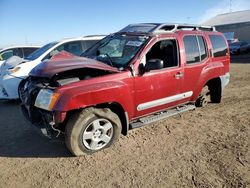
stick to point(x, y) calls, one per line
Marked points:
point(161, 115)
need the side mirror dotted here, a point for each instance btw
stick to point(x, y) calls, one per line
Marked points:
point(154, 64)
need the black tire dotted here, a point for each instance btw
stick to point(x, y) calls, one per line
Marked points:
point(80, 122)
point(203, 98)
point(20, 87)
point(215, 93)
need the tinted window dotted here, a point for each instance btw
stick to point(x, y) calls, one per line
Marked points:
point(191, 49)
point(219, 45)
point(73, 47)
point(88, 43)
point(165, 50)
point(6, 54)
point(28, 51)
point(19, 52)
point(40, 51)
point(203, 50)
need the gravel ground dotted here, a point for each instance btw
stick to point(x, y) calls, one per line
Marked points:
point(208, 147)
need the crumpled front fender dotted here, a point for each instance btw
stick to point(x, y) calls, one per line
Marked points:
point(92, 95)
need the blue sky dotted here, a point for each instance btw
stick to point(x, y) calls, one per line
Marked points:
point(40, 21)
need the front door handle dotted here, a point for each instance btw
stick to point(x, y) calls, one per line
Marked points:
point(178, 75)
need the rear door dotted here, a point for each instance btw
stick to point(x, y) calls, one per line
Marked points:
point(196, 57)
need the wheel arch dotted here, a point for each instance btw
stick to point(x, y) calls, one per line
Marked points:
point(119, 110)
point(114, 107)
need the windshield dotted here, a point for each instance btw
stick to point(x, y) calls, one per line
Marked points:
point(40, 51)
point(116, 50)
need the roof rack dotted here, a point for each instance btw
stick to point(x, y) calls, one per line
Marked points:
point(95, 36)
point(164, 27)
point(174, 27)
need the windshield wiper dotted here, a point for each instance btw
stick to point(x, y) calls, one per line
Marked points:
point(110, 60)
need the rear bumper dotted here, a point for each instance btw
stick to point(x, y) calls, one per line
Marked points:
point(225, 79)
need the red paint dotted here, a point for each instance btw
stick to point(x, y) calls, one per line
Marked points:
point(131, 90)
point(57, 65)
point(62, 55)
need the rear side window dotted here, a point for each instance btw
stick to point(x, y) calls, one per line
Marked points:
point(203, 50)
point(192, 49)
point(73, 47)
point(195, 49)
point(88, 43)
point(28, 51)
point(219, 45)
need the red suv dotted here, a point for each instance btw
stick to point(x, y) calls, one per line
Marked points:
point(141, 74)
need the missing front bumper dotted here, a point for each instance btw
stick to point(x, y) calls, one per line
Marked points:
point(42, 120)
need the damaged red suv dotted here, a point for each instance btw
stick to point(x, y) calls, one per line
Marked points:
point(141, 74)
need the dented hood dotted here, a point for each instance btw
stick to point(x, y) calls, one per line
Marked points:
point(58, 65)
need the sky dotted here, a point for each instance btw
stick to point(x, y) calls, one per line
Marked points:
point(37, 22)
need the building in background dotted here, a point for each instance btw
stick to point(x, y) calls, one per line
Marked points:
point(234, 24)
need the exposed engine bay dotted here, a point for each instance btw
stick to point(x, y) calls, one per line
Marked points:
point(31, 86)
point(71, 76)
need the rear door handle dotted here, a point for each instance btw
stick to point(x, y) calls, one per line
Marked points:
point(178, 75)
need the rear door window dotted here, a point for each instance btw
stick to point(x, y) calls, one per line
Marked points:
point(73, 47)
point(191, 49)
point(203, 49)
point(87, 44)
point(28, 51)
point(195, 48)
point(219, 45)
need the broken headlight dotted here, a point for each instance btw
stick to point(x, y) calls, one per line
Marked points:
point(46, 99)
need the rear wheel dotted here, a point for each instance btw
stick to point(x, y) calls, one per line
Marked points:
point(215, 93)
point(92, 130)
point(204, 98)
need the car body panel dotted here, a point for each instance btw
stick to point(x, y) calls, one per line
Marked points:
point(10, 81)
point(17, 51)
point(143, 94)
point(54, 66)
point(117, 90)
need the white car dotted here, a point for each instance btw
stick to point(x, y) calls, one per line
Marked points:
point(21, 51)
point(12, 72)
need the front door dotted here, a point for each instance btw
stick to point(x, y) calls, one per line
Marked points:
point(159, 89)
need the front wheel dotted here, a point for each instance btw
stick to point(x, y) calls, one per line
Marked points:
point(92, 130)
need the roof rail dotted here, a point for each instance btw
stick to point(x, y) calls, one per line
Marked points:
point(174, 27)
point(95, 36)
point(164, 27)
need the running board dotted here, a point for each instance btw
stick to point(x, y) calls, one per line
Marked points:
point(161, 115)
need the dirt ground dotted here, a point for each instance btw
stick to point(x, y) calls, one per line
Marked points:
point(208, 147)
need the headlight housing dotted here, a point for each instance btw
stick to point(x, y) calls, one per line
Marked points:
point(46, 99)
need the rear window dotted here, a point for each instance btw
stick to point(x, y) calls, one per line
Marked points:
point(219, 45)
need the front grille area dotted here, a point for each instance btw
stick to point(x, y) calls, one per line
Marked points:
point(29, 89)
